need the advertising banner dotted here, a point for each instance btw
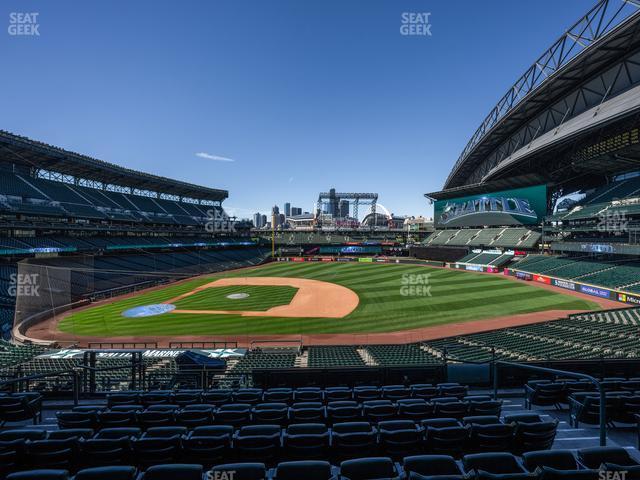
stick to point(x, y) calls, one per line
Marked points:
point(596, 292)
point(473, 268)
point(542, 279)
point(523, 275)
point(626, 298)
point(521, 206)
point(563, 284)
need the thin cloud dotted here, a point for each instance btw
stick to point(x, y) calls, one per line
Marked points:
point(216, 158)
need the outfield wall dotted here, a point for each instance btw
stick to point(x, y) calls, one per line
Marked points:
point(574, 286)
point(397, 260)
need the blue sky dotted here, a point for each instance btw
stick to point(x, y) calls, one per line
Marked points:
point(302, 95)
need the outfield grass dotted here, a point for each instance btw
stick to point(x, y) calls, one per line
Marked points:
point(260, 298)
point(385, 306)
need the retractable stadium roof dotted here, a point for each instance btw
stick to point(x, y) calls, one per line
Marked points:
point(37, 155)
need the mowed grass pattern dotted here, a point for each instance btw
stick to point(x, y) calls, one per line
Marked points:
point(260, 298)
point(456, 296)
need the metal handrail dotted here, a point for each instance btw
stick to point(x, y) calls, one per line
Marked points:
point(553, 371)
point(73, 372)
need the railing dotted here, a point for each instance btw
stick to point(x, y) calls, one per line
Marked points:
point(564, 373)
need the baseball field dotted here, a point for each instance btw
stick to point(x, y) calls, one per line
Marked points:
point(317, 298)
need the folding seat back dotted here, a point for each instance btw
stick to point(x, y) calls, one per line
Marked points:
point(123, 398)
point(364, 393)
point(194, 418)
point(400, 438)
point(544, 394)
point(431, 465)
point(235, 414)
point(631, 386)
point(187, 397)
point(56, 454)
point(481, 420)
point(336, 394)
point(306, 412)
point(164, 432)
point(77, 419)
point(207, 445)
point(534, 436)
point(343, 411)
point(628, 408)
point(424, 391)
point(415, 409)
point(16, 408)
point(258, 442)
point(278, 395)
point(308, 394)
point(241, 471)
point(153, 451)
point(127, 408)
point(451, 410)
point(457, 391)
point(107, 473)
point(379, 410)
point(558, 459)
point(248, 395)
point(353, 439)
point(153, 418)
point(172, 472)
point(306, 441)
point(111, 419)
point(22, 434)
point(307, 470)
point(270, 413)
point(368, 468)
point(500, 463)
point(447, 440)
point(119, 432)
point(217, 397)
point(495, 437)
point(156, 398)
point(395, 392)
point(440, 422)
point(595, 456)
point(77, 433)
point(487, 407)
point(105, 451)
point(43, 474)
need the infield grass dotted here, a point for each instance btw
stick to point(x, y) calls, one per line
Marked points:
point(260, 298)
point(454, 296)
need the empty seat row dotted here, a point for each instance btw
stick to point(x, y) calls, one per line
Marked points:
point(270, 443)
point(236, 414)
point(288, 395)
point(590, 463)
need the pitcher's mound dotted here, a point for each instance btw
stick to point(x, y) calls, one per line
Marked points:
point(237, 296)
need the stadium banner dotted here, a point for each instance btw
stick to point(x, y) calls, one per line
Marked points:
point(351, 249)
point(626, 298)
point(474, 268)
point(542, 279)
point(595, 291)
point(72, 353)
point(567, 285)
point(520, 206)
point(524, 276)
point(365, 260)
